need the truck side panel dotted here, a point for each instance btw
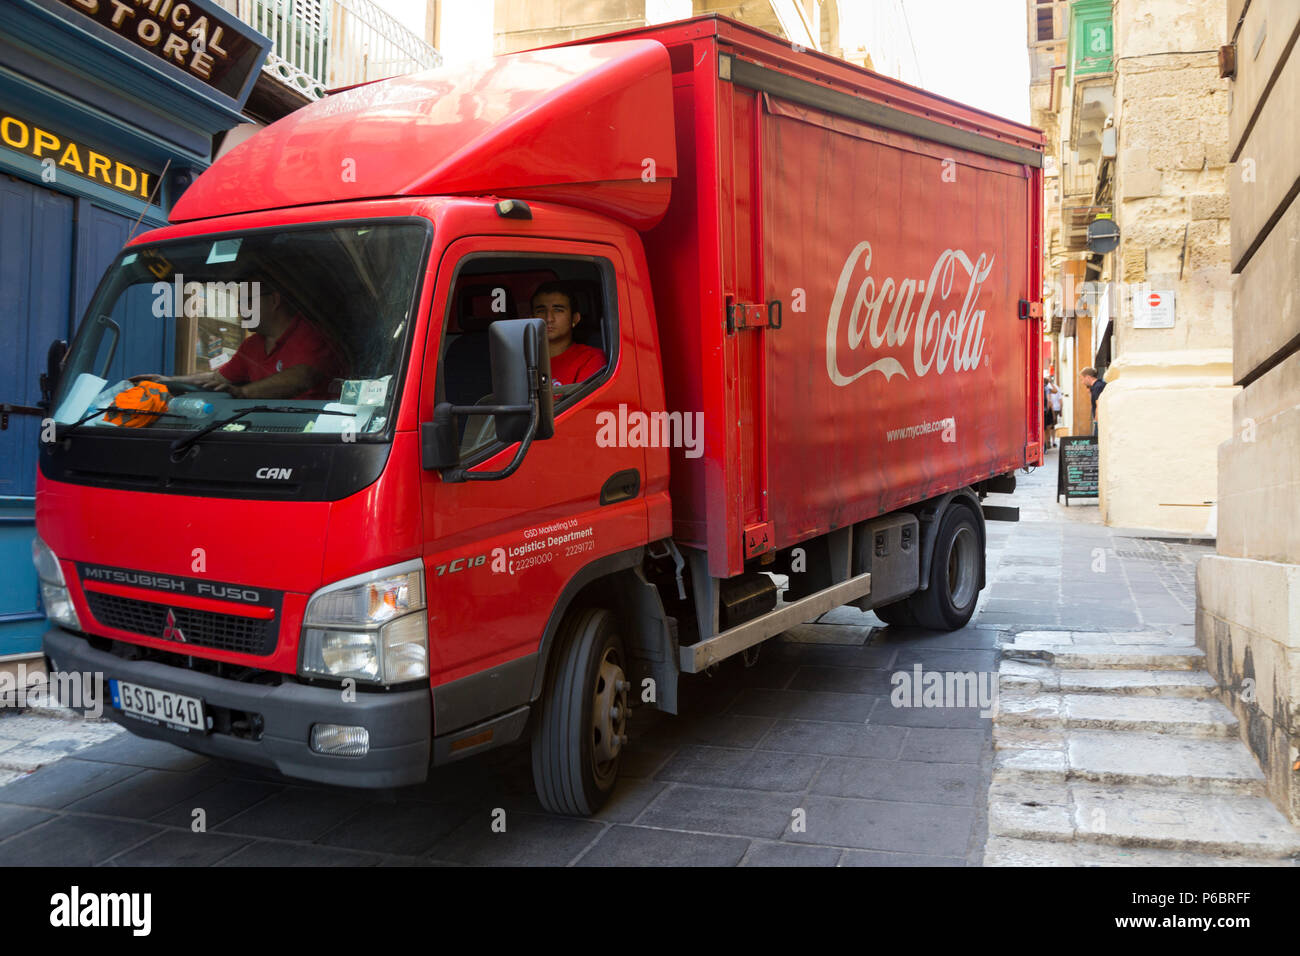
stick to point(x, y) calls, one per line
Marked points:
point(903, 375)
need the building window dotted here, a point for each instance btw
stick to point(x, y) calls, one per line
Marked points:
point(1045, 13)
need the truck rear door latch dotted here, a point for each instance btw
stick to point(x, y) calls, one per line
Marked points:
point(1030, 310)
point(752, 315)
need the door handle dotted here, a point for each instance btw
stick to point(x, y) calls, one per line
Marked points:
point(621, 486)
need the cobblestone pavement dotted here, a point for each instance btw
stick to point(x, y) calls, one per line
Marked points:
point(800, 759)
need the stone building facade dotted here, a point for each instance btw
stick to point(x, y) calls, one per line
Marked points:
point(1248, 595)
point(1129, 94)
point(524, 24)
point(876, 35)
point(1168, 401)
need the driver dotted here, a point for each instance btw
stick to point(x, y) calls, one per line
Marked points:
point(571, 362)
point(286, 357)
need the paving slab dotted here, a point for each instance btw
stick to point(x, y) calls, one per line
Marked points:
point(267, 853)
point(751, 770)
point(879, 858)
point(955, 784)
point(72, 840)
point(790, 854)
point(722, 811)
point(886, 825)
point(638, 846)
point(834, 739)
point(180, 848)
point(63, 783)
point(527, 840)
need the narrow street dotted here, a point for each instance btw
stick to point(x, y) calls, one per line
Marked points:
point(801, 759)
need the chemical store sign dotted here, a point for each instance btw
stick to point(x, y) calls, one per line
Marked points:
point(212, 49)
point(60, 155)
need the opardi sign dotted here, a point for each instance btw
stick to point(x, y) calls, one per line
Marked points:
point(185, 34)
point(58, 153)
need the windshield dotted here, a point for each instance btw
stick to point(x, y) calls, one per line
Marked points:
point(296, 332)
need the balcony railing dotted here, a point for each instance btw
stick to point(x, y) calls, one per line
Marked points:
point(318, 45)
point(1078, 180)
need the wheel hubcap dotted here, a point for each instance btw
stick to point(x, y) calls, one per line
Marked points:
point(962, 561)
point(608, 713)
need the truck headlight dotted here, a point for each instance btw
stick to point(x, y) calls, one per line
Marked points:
point(54, 589)
point(372, 628)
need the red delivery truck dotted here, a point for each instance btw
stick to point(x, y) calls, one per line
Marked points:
point(481, 404)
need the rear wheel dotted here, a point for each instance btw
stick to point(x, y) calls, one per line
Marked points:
point(582, 727)
point(956, 569)
point(900, 613)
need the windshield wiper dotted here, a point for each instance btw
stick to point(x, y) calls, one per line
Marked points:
point(114, 407)
point(184, 444)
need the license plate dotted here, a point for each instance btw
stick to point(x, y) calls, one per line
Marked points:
point(154, 706)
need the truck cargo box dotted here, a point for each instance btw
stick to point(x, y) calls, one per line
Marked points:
point(842, 284)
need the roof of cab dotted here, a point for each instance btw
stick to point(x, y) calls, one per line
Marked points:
point(551, 123)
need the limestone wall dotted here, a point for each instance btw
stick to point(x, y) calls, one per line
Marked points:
point(524, 24)
point(1248, 596)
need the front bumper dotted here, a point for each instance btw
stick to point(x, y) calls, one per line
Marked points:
point(399, 723)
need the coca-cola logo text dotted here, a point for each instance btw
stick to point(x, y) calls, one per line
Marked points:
point(941, 341)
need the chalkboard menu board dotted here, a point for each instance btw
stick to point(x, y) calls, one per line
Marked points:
point(1076, 475)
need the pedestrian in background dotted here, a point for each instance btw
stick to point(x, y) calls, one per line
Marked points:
point(1051, 411)
point(1095, 385)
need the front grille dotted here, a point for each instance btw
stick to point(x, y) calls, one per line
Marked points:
point(225, 632)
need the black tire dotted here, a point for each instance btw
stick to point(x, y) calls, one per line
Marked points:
point(956, 570)
point(899, 613)
point(576, 748)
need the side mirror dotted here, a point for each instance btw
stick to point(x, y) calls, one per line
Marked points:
point(521, 369)
point(439, 445)
point(523, 409)
point(54, 356)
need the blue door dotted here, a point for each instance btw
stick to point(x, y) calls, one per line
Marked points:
point(53, 250)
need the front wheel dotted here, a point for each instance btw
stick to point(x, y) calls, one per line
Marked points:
point(582, 727)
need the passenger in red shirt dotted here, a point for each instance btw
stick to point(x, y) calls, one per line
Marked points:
point(286, 357)
point(571, 362)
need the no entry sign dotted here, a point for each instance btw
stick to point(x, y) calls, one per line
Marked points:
point(1153, 310)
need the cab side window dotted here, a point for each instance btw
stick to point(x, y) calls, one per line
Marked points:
point(573, 294)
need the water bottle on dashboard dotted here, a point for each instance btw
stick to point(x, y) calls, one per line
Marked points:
point(191, 406)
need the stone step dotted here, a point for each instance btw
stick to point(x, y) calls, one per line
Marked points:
point(1008, 851)
point(1161, 761)
point(1144, 817)
point(1039, 677)
point(1198, 685)
point(1190, 718)
point(1109, 656)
